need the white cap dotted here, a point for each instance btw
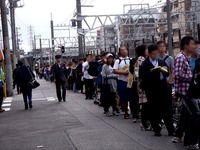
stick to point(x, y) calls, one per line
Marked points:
point(109, 55)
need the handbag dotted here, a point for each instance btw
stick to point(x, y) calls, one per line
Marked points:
point(33, 83)
point(141, 94)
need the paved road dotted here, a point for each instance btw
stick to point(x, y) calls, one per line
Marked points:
point(77, 124)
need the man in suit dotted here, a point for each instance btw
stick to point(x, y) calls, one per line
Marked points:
point(154, 83)
point(60, 77)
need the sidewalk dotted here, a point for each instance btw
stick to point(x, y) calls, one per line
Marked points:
point(75, 124)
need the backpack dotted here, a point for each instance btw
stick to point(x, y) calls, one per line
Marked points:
point(120, 60)
point(93, 69)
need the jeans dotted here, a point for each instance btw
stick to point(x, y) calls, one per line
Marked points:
point(27, 95)
point(74, 87)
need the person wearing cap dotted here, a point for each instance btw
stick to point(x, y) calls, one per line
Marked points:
point(1, 86)
point(109, 78)
point(60, 77)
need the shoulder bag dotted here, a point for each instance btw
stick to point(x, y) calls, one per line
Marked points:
point(33, 83)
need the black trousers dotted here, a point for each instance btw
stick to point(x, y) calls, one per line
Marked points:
point(1, 97)
point(145, 114)
point(160, 108)
point(89, 88)
point(134, 100)
point(27, 96)
point(111, 101)
point(60, 85)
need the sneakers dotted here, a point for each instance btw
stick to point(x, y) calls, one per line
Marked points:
point(126, 116)
point(135, 120)
point(193, 147)
point(2, 110)
point(108, 114)
point(115, 113)
point(176, 140)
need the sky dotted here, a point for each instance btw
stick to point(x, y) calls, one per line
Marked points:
point(37, 13)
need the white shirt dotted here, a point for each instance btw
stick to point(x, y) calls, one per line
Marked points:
point(119, 65)
point(85, 70)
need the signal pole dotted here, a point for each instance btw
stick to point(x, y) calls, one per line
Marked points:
point(52, 38)
point(6, 45)
point(12, 18)
point(79, 27)
point(169, 26)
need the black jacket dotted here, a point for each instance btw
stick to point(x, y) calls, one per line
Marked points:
point(151, 82)
point(23, 76)
point(59, 73)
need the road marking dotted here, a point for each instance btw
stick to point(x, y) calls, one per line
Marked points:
point(6, 109)
point(50, 99)
point(39, 99)
point(7, 101)
point(7, 104)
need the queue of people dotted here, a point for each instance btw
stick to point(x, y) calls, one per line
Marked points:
point(142, 86)
point(139, 87)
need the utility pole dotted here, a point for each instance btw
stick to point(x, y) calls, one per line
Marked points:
point(79, 27)
point(41, 52)
point(6, 45)
point(12, 18)
point(169, 26)
point(52, 38)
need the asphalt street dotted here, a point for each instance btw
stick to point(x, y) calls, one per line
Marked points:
point(77, 124)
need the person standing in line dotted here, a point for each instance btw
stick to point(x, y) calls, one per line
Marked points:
point(182, 79)
point(153, 73)
point(121, 68)
point(194, 56)
point(110, 79)
point(169, 60)
point(88, 80)
point(193, 102)
point(74, 75)
point(1, 85)
point(142, 54)
point(37, 71)
point(60, 77)
point(80, 75)
point(23, 76)
point(69, 77)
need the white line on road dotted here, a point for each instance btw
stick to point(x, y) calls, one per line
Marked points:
point(6, 105)
point(6, 109)
point(50, 99)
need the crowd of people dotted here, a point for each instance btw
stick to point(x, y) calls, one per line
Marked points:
point(139, 87)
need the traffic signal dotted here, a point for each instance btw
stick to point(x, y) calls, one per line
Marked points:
point(62, 49)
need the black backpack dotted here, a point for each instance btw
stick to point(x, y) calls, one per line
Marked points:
point(93, 69)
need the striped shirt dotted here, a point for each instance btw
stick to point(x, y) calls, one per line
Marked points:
point(182, 74)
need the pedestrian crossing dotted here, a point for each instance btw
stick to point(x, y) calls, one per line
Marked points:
point(7, 104)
